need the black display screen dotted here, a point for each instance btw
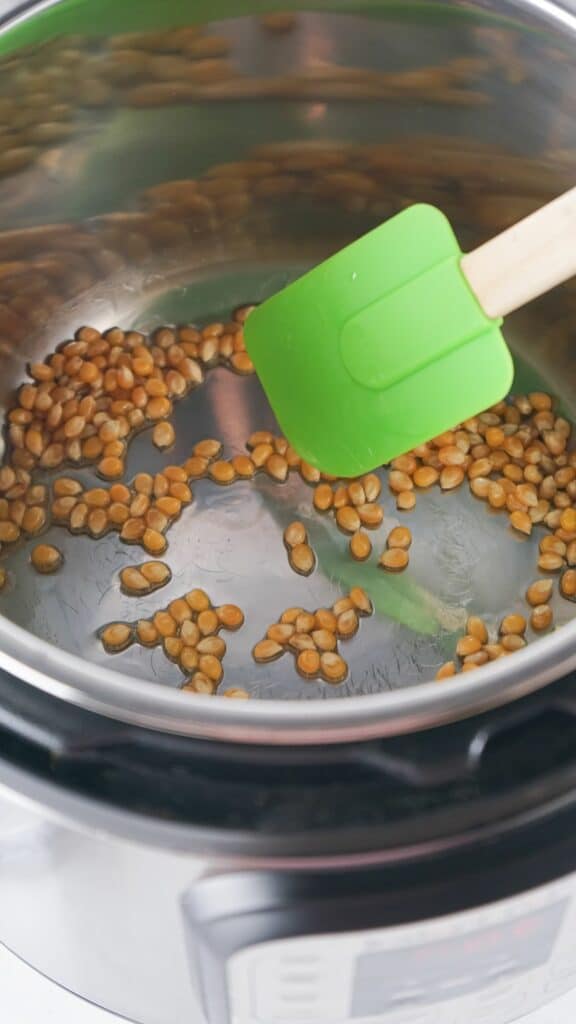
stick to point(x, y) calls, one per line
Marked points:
point(447, 968)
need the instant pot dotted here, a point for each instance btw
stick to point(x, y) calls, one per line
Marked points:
point(406, 852)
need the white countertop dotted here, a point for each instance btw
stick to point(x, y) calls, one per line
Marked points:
point(28, 998)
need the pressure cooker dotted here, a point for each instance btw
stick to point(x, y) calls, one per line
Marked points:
point(392, 849)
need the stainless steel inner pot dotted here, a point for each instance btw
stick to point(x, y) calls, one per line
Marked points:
point(466, 105)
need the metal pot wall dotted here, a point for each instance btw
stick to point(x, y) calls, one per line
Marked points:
point(285, 138)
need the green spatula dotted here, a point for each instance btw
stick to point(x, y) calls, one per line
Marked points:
point(397, 337)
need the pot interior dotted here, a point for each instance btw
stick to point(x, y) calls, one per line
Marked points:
point(289, 136)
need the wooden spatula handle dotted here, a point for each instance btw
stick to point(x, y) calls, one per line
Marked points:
point(527, 260)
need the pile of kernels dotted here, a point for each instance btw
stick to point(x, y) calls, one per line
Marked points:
point(312, 637)
point(23, 505)
point(475, 648)
point(402, 485)
point(353, 504)
point(538, 595)
point(300, 555)
point(93, 393)
point(140, 513)
point(515, 457)
point(275, 456)
point(396, 558)
point(143, 511)
point(187, 629)
point(139, 580)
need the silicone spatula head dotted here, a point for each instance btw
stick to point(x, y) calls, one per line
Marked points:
point(380, 348)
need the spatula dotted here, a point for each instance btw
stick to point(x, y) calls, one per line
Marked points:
point(397, 338)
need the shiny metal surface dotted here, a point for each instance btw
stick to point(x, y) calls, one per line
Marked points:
point(105, 890)
point(466, 110)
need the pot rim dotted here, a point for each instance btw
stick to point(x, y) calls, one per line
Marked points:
point(152, 705)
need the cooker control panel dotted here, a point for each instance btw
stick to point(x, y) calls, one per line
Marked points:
point(395, 975)
point(269, 964)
